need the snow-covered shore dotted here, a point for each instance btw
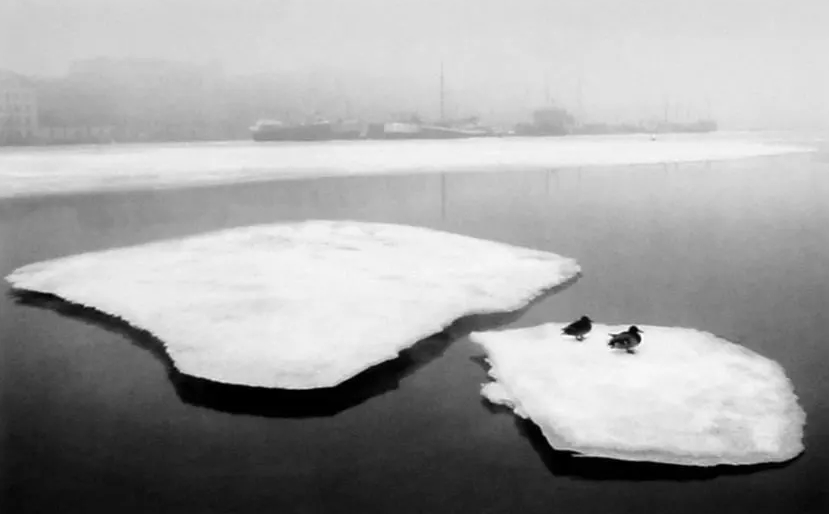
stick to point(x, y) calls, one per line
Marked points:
point(31, 171)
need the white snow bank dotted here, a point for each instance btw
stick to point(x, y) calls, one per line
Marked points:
point(302, 305)
point(685, 396)
point(62, 170)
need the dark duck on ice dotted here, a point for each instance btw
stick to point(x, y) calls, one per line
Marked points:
point(627, 340)
point(578, 328)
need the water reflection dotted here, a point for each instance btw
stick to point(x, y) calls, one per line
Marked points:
point(734, 249)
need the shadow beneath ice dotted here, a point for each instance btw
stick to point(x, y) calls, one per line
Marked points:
point(91, 316)
point(567, 463)
point(284, 403)
point(329, 401)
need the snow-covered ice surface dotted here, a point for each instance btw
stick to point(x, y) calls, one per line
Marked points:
point(87, 168)
point(685, 397)
point(298, 305)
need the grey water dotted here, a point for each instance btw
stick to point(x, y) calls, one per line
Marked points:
point(93, 418)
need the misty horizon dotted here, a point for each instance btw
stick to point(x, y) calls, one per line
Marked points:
point(747, 64)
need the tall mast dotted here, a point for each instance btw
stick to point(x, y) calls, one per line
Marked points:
point(441, 91)
point(580, 100)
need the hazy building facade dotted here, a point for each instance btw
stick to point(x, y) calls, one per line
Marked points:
point(153, 100)
point(18, 110)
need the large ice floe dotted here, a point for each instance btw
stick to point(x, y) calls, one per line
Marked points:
point(685, 397)
point(298, 305)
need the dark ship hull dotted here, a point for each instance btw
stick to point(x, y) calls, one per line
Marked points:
point(319, 131)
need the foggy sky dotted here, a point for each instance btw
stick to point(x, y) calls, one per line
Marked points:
point(756, 63)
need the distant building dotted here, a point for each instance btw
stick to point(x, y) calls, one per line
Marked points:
point(553, 120)
point(18, 110)
point(549, 121)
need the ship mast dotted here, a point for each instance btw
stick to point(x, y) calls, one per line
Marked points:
point(580, 100)
point(441, 91)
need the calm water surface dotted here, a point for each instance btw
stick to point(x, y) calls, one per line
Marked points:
point(94, 420)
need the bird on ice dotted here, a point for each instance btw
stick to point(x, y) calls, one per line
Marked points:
point(578, 328)
point(626, 340)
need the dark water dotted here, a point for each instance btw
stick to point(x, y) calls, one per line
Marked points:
point(93, 420)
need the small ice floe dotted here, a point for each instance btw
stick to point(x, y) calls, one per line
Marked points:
point(685, 397)
point(298, 305)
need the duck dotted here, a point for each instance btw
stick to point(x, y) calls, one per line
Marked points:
point(578, 328)
point(627, 340)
